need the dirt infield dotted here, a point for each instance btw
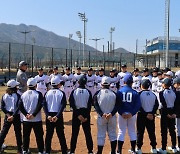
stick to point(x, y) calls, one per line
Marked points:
point(81, 145)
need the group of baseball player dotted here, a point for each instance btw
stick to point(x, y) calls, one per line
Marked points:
point(123, 101)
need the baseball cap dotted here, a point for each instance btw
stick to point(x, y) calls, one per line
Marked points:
point(159, 73)
point(155, 69)
point(12, 83)
point(78, 68)
point(55, 68)
point(40, 69)
point(82, 80)
point(176, 81)
point(146, 83)
point(166, 69)
point(90, 69)
point(169, 73)
point(102, 69)
point(55, 81)
point(96, 69)
point(105, 81)
point(145, 70)
point(22, 63)
point(128, 78)
point(167, 82)
point(136, 70)
point(68, 68)
point(112, 70)
point(123, 65)
point(31, 82)
point(177, 74)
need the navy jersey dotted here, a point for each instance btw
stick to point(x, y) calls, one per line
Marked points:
point(130, 100)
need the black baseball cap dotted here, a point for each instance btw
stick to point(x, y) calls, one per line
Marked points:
point(78, 68)
point(123, 65)
point(112, 70)
point(136, 70)
point(40, 69)
point(90, 69)
point(146, 83)
point(82, 80)
point(166, 69)
point(145, 70)
point(55, 68)
point(159, 73)
point(68, 68)
point(167, 82)
point(155, 69)
point(102, 69)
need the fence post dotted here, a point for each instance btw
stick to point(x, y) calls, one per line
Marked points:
point(32, 62)
point(71, 59)
point(104, 63)
point(9, 66)
point(89, 59)
point(134, 61)
point(52, 54)
point(66, 58)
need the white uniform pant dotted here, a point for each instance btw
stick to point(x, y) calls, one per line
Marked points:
point(103, 126)
point(130, 124)
point(67, 91)
point(91, 89)
point(157, 95)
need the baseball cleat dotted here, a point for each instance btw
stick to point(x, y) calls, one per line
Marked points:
point(153, 151)
point(162, 151)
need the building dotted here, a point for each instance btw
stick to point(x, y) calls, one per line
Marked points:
point(155, 52)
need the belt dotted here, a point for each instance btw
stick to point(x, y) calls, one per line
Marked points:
point(68, 86)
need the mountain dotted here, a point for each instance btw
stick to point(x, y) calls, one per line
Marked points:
point(11, 33)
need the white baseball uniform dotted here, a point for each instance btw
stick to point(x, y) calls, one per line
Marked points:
point(77, 77)
point(114, 81)
point(90, 85)
point(137, 83)
point(121, 78)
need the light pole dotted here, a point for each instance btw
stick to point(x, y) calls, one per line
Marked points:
point(79, 36)
point(69, 45)
point(112, 29)
point(85, 20)
point(25, 33)
point(96, 40)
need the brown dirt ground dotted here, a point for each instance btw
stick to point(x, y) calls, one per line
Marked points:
point(81, 145)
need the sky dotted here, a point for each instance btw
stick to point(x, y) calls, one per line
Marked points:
point(132, 19)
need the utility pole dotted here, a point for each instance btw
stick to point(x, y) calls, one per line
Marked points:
point(85, 20)
point(79, 36)
point(112, 29)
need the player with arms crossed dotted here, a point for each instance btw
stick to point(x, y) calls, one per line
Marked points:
point(127, 113)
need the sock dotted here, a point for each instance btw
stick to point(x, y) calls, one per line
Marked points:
point(113, 147)
point(133, 145)
point(120, 144)
point(100, 149)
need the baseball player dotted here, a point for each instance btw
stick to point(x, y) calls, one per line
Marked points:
point(90, 84)
point(122, 74)
point(56, 73)
point(169, 75)
point(167, 98)
point(30, 106)
point(81, 101)
point(149, 106)
point(22, 77)
point(145, 74)
point(114, 81)
point(54, 104)
point(177, 74)
point(155, 80)
point(42, 81)
point(136, 80)
point(99, 78)
point(69, 82)
point(77, 76)
point(106, 104)
point(96, 73)
point(176, 83)
point(127, 113)
point(10, 107)
point(165, 70)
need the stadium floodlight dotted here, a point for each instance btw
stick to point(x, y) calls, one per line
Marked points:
point(112, 29)
point(96, 40)
point(25, 33)
point(79, 36)
point(85, 20)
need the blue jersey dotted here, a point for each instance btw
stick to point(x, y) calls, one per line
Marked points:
point(130, 101)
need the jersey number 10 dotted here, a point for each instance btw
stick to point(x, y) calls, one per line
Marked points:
point(127, 97)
